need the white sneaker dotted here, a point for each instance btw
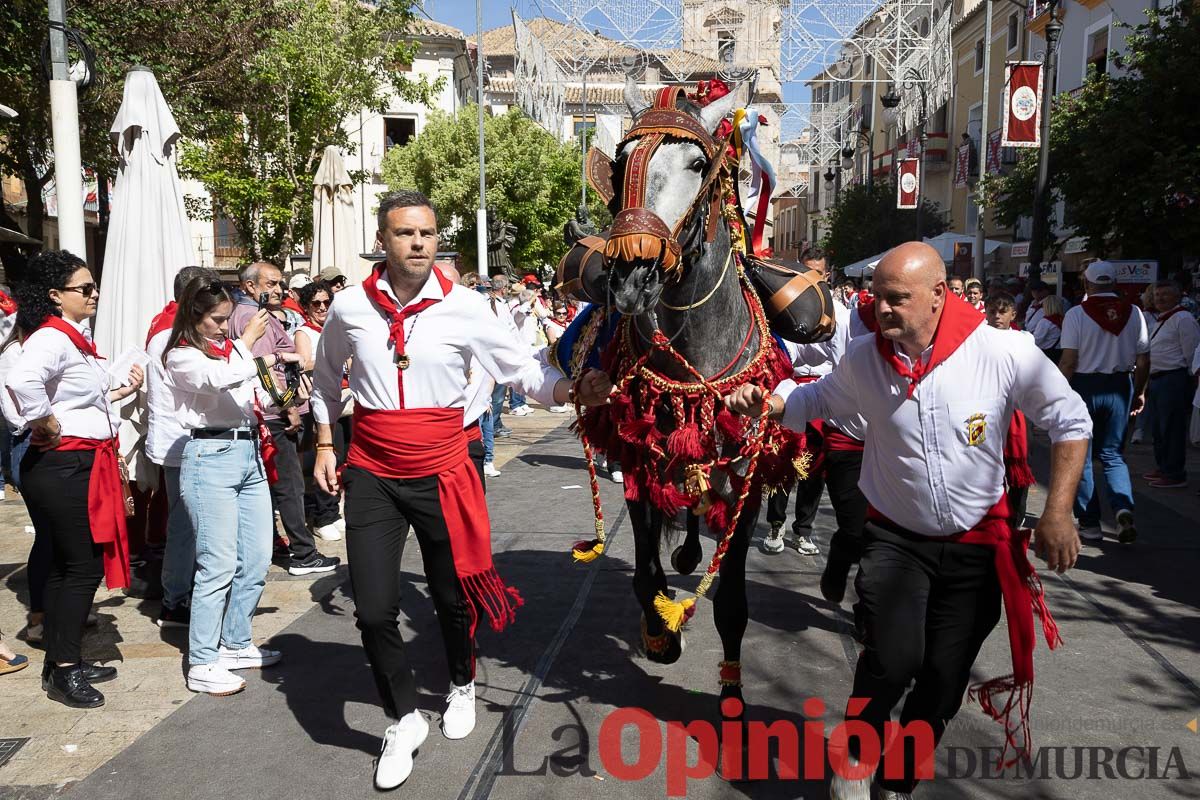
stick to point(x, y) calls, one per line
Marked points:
point(340, 524)
point(330, 532)
point(1091, 533)
point(214, 679)
point(773, 542)
point(521, 411)
point(400, 741)
point(459, 717)
point(805, 547)
point(843, 789)
point(618, 476)
point(489, 469)
point(247, 658)
point(561, 409)
point(33, 633)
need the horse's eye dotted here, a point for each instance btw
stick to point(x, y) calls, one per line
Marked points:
point(697, 165)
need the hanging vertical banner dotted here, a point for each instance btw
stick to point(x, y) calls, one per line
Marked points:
point(908, 186)
point(1022, 104)
point(962, 165)
point(993, 152)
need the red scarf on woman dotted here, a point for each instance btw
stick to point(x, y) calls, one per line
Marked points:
point(396, 315)
point(958, 321)
point(162, 321)
point(106, 497)
point(1056, 319)
point(420, 442)
point(1110, 313)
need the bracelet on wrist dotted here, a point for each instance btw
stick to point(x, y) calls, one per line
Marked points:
point(324, 446)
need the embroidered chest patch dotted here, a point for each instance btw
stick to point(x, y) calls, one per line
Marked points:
point(976, 429)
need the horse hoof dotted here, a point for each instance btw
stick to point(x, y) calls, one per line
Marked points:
point(685, 560)
point(664, 648)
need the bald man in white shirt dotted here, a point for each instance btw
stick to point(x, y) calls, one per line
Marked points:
point(937, 388)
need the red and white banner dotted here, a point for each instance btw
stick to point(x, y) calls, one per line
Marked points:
point(1022, 104)
point(993, 152)
point(962, 165)
point(908, 183)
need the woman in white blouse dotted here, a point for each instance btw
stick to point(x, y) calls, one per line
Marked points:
point(60, 387)
point(223, 483)
point(1048, 329)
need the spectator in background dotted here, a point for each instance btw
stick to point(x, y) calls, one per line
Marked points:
point(956, 286)
point(527, 314)
point(1142, 422)
point(334, 278)
point(973, 293)
point(498, 301)
point(1173, 342)
point(1039, 291)
point(1048, 330)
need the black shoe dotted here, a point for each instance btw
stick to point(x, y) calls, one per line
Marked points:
point(502, 433)
point(93, 673)
point(174, 617)
point(314, 563)
point(70, 686)
point(833, 579)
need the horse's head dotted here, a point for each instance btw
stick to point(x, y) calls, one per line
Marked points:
point(667, 193)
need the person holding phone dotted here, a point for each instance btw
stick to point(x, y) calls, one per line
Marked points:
point(223, 482)
point(71, 475)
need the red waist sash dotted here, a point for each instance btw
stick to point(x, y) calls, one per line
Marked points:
point(422, 442)
point(839, 440)
point(106, 507)
point(1023, 596)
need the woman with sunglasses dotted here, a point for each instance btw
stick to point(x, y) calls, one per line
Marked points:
point(71, 478)
point(324, 509)
point(223, 482)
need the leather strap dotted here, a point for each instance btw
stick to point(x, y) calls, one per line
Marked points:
point(787, 294)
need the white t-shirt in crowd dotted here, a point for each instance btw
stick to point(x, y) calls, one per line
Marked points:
point(1099, 350)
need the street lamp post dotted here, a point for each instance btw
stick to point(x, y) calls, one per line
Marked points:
point(481, 212)
point(913, 79)
point(1037, 245)
point(863, 135)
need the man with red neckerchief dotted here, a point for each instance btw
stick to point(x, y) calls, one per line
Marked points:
point(415, 336)
point(937, 386)
point(1106, 357)
point(1173, 341)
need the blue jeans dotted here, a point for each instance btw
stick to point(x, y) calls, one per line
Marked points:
point(1170, 396)
point(1108, 398)
point(489, 437)
point(498, 407)
point(225, 493)
point(20, 445)
point(179, 556)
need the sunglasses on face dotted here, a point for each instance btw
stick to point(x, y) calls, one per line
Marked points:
point(320, 303)
point(85, 289)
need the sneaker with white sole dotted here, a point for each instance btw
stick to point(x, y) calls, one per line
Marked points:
point(330, 532)
point(1091, 533)
point(804, 546)
point(400, 741)
point(489, 469)
point(521, 411)
point(459, 718)
point(845, 789)
point(314, 563)
point(617, 476)
point(214, 679)
point(247, 658)
point(1126, 530)
point(563, 409)
point(773, 542)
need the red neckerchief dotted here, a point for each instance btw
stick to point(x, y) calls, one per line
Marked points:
point(1110, 313)
point(1163, 319)
point(1014, 325)
point(223, 350)
point(1057, 319)
point(866, 313)
point(7, 305)
point(71, 332)
point(162, 321)
point(958, 321)
point(290, 302)
point(397, 316)
point(980, 306)
point(310, 324)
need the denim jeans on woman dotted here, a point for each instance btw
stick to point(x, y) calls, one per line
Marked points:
point(179, 556)
point(1108, 398)
point(225, 492)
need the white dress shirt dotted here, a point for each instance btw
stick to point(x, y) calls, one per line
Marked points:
point(51, 376)
point(165, 437)
point(444, 343)
point(919, 468)
point(1099, 350)
point(1033, 315)
point(213, 392)
point(1046, 334)
point(1173, 341)
point(16, 423)
point(820, 360)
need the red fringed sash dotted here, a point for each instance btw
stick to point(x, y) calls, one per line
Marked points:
point(106, 507)
point(419, 442)
point(1017, 474)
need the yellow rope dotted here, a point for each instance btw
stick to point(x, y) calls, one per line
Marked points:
point(709, 296)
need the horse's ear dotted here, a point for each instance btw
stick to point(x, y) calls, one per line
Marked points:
point(634, 99)
point(712, 114)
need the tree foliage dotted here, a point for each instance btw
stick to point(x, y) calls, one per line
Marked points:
point(328, 61)
point(865, 222)
point(533, 181)
point(1123, 149)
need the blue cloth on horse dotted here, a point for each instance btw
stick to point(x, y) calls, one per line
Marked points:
point(564, 349)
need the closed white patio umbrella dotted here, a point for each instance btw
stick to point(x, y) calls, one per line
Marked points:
point(148, 239)
point(335, 231)
point(944, 244)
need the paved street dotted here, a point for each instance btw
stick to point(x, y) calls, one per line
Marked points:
point(1128, 675)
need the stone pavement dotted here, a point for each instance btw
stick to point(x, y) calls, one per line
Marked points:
point(65, 744)
point(1127, 676)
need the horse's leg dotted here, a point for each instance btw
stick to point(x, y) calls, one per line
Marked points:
point(686, 557)
point(731, 614)
point(649, 579)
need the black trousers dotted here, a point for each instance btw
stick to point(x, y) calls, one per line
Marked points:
point(287, 494)
point(808, 500)
point(379, 512)
point(840, 476)
point(323, 508)
point(55, 487)
point(475, 453)
point(925, 608)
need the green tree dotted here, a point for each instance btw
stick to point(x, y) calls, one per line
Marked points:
point(866, 222)
point(1123, 150)
point(533, 180)
point(329, 60)
point(196, 49)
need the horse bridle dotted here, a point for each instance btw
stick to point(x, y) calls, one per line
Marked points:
point(639, 233)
